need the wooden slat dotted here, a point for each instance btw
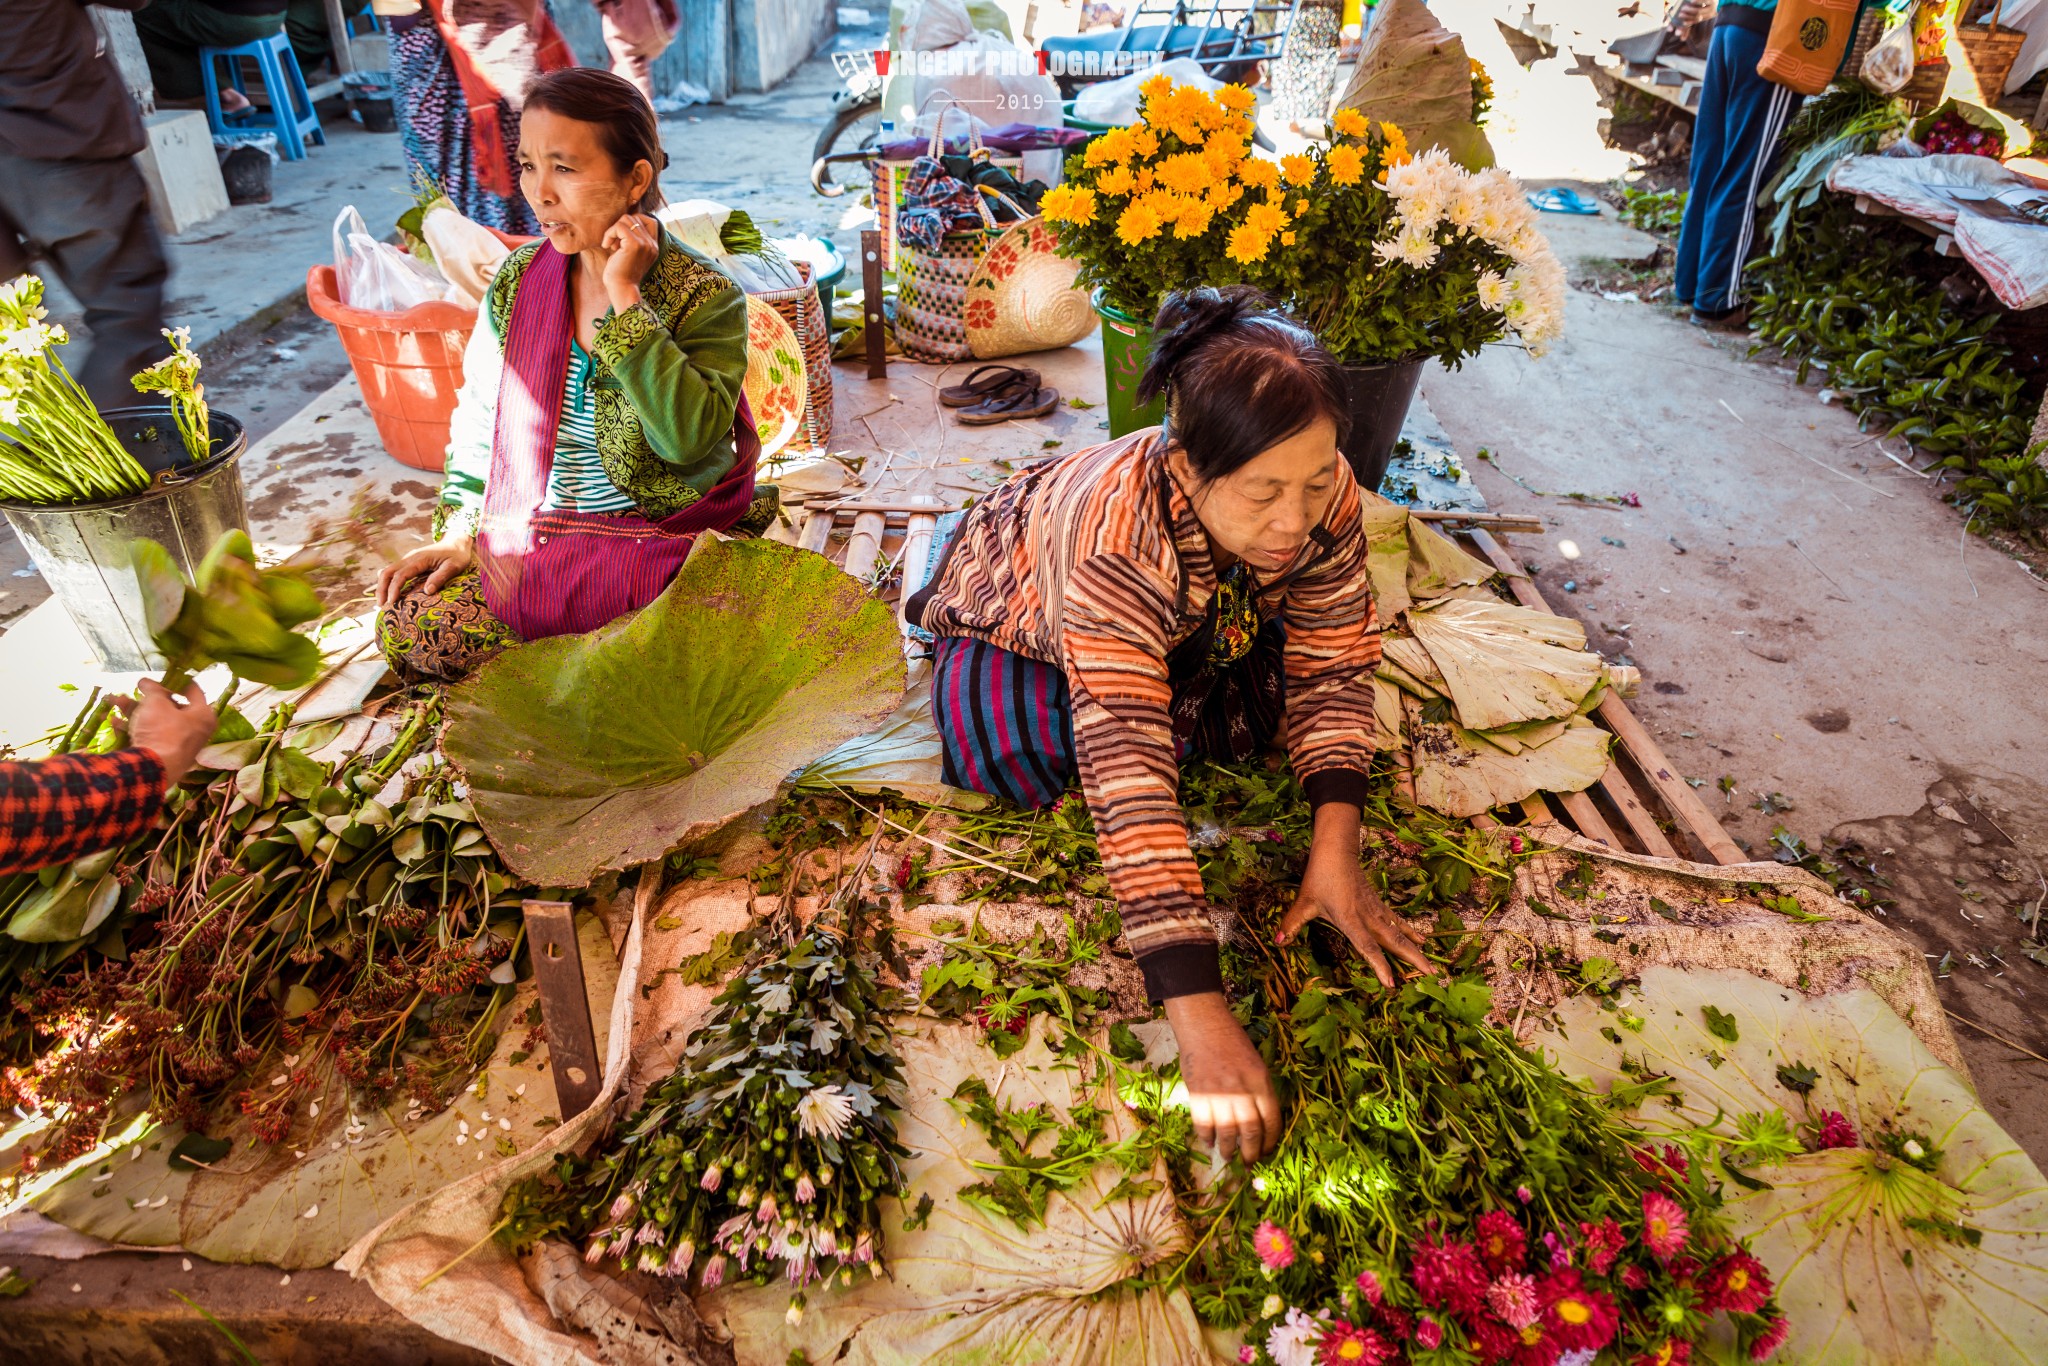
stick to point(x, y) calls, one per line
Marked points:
point(1685, 804)
point(1616, 785)
point(865, 545)
point(1587, 818)
point(817, 532)
point(871, 304)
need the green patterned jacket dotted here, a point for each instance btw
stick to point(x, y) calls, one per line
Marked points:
point(667, 375)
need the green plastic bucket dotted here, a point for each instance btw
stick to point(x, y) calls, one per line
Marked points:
point(1125, 344)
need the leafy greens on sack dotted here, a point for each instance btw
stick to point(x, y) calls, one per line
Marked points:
point(757, 659)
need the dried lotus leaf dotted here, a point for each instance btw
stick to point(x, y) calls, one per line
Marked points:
point(1436, 566)
point(1503, 665)
point(1460, 773)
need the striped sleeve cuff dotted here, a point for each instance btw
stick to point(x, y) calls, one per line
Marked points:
point(1181, 970)
point(1348, 785)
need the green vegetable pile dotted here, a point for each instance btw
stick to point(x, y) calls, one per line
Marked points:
point(297, 920)
point(1860, 298)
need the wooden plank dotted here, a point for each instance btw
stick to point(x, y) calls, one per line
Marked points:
point(917, 544)
point(1640, 822)
point(871, 303)
point(817, 532)
point(337, 39)
point(564, 1004)
point(865, 545)
point(1678, 795)
point(1586, 818)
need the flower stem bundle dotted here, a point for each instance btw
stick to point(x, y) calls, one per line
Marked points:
point(54, 445)
point(772, 1142)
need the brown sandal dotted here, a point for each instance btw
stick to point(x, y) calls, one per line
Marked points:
point(976, 388)
point(1021, 397)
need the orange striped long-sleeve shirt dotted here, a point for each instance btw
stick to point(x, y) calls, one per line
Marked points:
point(1098, 563)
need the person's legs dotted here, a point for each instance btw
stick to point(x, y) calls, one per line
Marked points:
point(173, 31)
point(91, 220)
point(443, 638)
point(1005, 723)
point(1757, 112)
point(635, 33)
point(1709, 149)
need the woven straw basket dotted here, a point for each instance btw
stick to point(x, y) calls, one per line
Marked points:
point(1022, 296)
point(805, 313)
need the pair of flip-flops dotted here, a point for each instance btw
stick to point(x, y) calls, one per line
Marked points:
point(1563, 199)
point(998, 393)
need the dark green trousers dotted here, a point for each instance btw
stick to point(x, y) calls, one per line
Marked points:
point(173, 31)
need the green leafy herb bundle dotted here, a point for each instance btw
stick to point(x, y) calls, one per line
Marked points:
point(231, 613)
point(1442, 1192)
point(297, 920)
point(772, 1142)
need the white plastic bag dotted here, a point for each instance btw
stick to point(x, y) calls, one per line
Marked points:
point(1116, 102)
point(697, 223)
point(977, 65)
point(468, 254)
point(378, 277)
point(1889, 63)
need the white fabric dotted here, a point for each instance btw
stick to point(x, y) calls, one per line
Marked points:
point(1116, 102)
point(2033, 52)
point(1975, 197)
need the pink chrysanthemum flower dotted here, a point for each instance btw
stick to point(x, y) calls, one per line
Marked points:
point(1736, 1283)
point(1502, 1244)
point(1836, 1131)
point(1346, 1345)
point(1664, 1226)
point(1449, 1275)
point(1369, 1286)
point(1429, 1334)
point(1773, 1338)
point(1604, 1242)
point(1247, 1354)
point(1274, 1246)
point(1513, 1299)
point(1575, 1317)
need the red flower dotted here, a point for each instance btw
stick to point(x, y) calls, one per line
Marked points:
point(1449, 1275)
point(1397, 1322)
point(1429, 1334)
point(1634, 1277)
point(1836, 1131)
point(1737, 1283)
point(1344, 1344)
point(1669, 1352)
point(1274, 1245)
point(1664, 1226)
point(1670, 1163)
point(1575, 1316)
point(1774, 1335)
point(981, 313)
point(1494, 1340)
point(1369, 1286)
point(1502, 1243)
point(1604, 1241)
point(1001, 263)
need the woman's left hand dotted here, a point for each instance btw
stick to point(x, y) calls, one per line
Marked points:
point(1335, 888)
point(634, 241)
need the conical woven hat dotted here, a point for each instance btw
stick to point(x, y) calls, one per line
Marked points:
point(775, 383)
point(1022, 296)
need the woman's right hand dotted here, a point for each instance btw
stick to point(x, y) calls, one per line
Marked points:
point(440, 562)
point(1230, 1096)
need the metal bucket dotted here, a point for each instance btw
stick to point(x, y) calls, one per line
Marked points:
point(81, 549)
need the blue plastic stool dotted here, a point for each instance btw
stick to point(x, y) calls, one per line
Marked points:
point(283, 83)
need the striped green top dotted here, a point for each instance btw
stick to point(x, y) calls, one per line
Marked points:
point(578, 483)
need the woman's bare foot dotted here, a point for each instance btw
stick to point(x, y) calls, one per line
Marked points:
point(233, 102)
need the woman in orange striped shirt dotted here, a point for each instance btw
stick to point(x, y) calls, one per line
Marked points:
point(1196, 588)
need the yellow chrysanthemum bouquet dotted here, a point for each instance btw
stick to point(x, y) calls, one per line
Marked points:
point(1393, 257)
point(1152, 207)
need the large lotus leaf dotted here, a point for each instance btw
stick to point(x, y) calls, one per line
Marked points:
point(1409, 666)
point(1503, 664)
point(1879, 1263)
point(1386, 554)
point(268, 1204)
point(1461, 773)
point(970, 1287)
point(1413, 73)
point(1436, 566)
point(607, 750)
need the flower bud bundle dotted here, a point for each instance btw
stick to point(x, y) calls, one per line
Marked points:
point(772, 1144)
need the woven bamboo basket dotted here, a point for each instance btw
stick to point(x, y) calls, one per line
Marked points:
point(805, 314)
point(1991, 51)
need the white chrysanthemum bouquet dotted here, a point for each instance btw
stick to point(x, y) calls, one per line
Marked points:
point(54, 445)
point(1392, 257)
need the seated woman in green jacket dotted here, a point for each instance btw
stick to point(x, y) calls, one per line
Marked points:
point(601, 425)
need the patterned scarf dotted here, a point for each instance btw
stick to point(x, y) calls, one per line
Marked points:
point(497, 47)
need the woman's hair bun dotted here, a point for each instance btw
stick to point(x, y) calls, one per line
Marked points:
point(1186, 319)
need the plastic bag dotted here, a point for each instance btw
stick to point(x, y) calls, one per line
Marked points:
point(1116, 102)
point(378, 277)
point(1889, 63)
point(467, 253)
point(977, 65)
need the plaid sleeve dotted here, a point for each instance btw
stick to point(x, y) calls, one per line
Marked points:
point(72, 805)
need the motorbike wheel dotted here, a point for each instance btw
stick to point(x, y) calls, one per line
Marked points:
point(855, 127)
